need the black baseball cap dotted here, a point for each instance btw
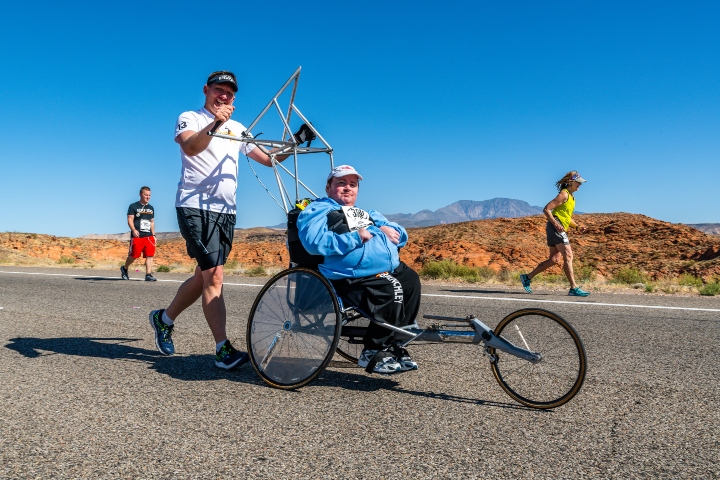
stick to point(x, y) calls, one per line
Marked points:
point(224, 78)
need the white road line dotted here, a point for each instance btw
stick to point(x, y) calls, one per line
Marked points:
point(473, 297)
point(574, 303)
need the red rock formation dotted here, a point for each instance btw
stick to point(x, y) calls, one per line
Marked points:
point(612, 241)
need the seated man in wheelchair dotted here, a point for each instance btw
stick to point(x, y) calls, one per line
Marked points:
point(360, 250)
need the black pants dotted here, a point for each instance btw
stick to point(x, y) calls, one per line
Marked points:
point(390, 297)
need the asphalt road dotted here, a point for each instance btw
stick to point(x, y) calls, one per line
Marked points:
point(84, 393)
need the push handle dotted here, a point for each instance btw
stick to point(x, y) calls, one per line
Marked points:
point(215, 127)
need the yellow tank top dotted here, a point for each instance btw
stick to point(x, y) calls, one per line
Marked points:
point(564, 212)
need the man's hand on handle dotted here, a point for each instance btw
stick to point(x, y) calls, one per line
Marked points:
point(223, 113)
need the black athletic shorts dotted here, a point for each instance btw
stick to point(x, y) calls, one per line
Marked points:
point(208, 235)
point(554, 237)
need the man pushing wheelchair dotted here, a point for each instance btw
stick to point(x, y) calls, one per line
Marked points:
point(360, 257)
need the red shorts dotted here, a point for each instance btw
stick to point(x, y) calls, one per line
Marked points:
point(144, 245)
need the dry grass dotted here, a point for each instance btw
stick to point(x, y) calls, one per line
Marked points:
point(627, 280)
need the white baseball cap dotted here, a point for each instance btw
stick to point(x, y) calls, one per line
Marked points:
point(577, 178)
point(342, 170)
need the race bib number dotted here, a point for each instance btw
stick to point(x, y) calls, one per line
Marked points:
point(144, 225)
point(566, 240)
point(357, 218)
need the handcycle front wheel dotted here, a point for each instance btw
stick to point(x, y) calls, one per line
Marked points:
point(558, 376)
point(293, 328)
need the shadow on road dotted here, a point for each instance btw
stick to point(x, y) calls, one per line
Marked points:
point(370, 383)
point(201, 368)
point(503, 292)
point(181, 367)
point(99, 279)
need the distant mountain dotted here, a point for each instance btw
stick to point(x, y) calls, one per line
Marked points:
point(711, 228)
point(467, 210)
point(461, 211)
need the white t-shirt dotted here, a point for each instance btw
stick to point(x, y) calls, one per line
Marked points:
point(208, 181)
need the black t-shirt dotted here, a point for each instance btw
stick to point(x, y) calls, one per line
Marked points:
point(143, 218)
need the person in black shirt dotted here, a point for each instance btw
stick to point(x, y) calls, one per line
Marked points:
point(141, 220)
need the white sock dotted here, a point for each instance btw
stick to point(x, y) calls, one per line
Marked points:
point(218, 346)
point(167, 320)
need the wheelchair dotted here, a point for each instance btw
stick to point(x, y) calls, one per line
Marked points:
point(297, 323)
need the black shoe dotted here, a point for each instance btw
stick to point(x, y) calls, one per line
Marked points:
point(228, 357)
point(150, 278)
point(123, 273)
point(163, 333)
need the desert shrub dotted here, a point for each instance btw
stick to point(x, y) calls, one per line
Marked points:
point(65, 260)
point(441, 269)
point(445, 269)
point(163, 268)
point(505, 275)
point(551, 278)
point(232, 264)
point(584, 273)
point(711, 289)
point(485, 273)
point(258, 271)
point(650, 288)
point(514, 276)
point(689, 280)
point(629, 276)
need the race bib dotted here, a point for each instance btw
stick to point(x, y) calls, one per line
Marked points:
point(566, 240)
point(144, 225)
point(357, 218)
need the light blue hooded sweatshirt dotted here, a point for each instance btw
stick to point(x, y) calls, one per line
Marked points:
point(345, 254)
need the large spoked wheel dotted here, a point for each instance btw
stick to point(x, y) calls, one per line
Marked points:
point(558, 376)
point(352, 334)
point(293, 328)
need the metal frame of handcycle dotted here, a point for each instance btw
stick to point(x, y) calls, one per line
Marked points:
point(299, 322)
point(465, 330)
point(287, 144)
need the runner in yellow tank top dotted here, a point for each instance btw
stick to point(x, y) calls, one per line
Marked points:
point(559, 214)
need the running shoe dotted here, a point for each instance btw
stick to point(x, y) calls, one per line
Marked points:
point(387, 364)
point(228, 357)
point(150, 278)
point(163, 333)
point(406, 363)
point(525, 283)
point(578, 292)
point(124, 273)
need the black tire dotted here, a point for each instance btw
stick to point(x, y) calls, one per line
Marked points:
point(554, 380)
point(352, 333)
point(293, 328)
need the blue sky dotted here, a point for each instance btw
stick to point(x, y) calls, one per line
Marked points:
point(431, 102)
